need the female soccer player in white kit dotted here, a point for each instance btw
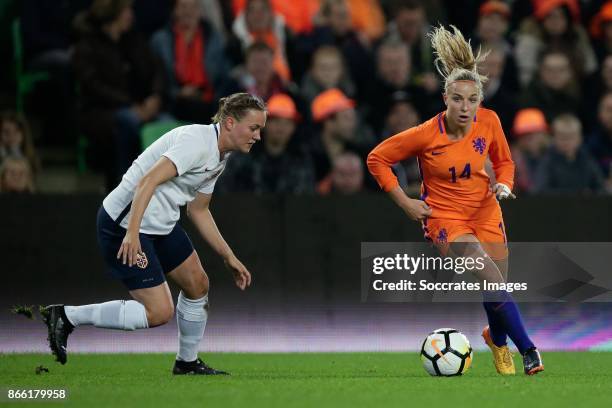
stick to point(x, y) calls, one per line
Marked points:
point(142, 242)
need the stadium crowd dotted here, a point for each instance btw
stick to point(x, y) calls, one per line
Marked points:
point(338, 77)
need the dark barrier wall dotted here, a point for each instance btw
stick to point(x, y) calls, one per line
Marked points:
point(296, 247)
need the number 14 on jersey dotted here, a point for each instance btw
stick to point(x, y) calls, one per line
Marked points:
point(467, 170)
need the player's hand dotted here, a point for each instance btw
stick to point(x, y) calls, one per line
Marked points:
point(417, 210)
point(503, 192)
point(130, 249)
point(242, 276)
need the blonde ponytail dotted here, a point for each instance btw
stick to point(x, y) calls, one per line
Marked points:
point(455, 60)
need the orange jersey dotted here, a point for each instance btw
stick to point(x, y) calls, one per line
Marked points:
point(454, 182)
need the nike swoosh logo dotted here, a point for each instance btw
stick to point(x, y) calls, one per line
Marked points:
point(436, 153)
point(437, 349)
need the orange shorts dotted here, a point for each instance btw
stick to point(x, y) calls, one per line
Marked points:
point(490, 232)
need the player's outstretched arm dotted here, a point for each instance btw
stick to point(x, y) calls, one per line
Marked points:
point(161, 172)
point(200, 215)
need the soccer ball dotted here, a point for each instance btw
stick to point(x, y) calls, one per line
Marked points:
point(446, 352)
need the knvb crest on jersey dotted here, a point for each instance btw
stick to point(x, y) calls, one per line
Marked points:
point(442, 237)
point(479, 144)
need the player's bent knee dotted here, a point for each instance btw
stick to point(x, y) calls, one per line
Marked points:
point(198, 287)
point(160, 315)
point(203, 285)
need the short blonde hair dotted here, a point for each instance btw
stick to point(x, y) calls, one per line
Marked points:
point(455, 60)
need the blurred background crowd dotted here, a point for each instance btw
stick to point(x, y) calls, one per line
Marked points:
point(93, 82)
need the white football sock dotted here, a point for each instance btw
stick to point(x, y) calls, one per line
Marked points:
point(116, 314)
point(191, 316)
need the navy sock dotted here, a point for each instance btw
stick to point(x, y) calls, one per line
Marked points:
point(504, 307)
point(496, 326)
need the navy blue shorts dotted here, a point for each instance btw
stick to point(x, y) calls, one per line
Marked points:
point(163, 253)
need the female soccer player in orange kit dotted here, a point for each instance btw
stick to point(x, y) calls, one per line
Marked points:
point(458, 209)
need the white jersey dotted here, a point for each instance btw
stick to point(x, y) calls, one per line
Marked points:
point(194, 151)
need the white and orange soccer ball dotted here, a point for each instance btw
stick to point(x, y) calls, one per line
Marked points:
point(446, 352)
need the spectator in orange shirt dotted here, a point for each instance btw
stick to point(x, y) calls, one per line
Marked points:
point(368, 18)
point(196, 67)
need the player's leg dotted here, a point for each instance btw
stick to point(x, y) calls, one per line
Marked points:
point(504, 310)
point(495, 333)
point(500, 304)
point(177, 255)
point(151, 307)
point(191, 306)
point(457, 238)
point(191, 316)
point(502, 265)
point(492, 237)
point(468, 245)
point(152, 304)
point(495, 246)
point(157, 302)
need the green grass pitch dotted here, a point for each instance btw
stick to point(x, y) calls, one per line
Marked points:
point(309, 380)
